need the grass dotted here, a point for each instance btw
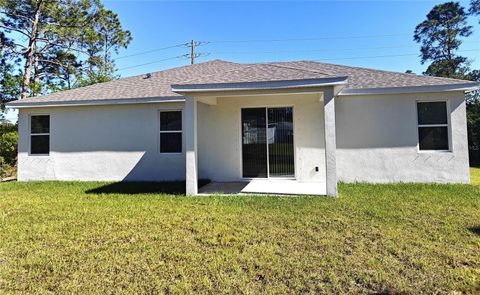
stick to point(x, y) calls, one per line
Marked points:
point(66, 237)
point(475, 175)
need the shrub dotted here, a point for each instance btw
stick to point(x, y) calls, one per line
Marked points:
point(4, 168)
point(8, 147)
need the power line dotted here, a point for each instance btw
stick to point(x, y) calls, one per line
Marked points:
point(197, 55)
point(311, 50)
point(309, 39)
point(193, 44)
point(200, 43)
point(186, 44)
point(382, 56)
point(152, 62)
point(321, 59)
point(153, 50)
point(316, 50)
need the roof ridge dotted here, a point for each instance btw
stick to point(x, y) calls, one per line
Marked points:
point(298, 69)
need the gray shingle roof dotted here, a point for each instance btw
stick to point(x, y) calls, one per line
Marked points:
point(218, 71)
point(361, 78)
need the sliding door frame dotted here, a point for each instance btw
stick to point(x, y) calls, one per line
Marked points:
point(240, 137)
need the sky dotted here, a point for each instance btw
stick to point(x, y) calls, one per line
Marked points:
point(372, 34)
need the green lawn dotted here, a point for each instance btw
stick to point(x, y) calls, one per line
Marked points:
point(475, 176)
point(69, 237)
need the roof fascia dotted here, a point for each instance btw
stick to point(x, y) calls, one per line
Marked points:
point(395, 90)
point(213, 87)
point(18, 104)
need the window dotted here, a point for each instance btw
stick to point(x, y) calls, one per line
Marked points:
point(40, 135)
point(171, 132)
point(432, 125)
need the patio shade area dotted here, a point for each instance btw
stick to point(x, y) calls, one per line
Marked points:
point(265, 186)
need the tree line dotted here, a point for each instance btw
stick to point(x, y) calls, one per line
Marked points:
point(440, 36)
point(52, 45)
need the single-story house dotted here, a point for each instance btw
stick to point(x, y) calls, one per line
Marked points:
point(279, 127)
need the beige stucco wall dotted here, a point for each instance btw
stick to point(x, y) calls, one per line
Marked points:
point(219, 135)
point(377, 140)
point(119, 142)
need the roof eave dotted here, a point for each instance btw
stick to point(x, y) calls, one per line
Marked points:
point(241, 86)
point(466, 87)
point(18, 104)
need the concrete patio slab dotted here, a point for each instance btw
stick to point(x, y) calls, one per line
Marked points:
point(223, 188)
point(265, 186)
point(285, 187)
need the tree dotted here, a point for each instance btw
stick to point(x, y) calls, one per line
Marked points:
point(439, 36)
point(473, 120)
point(62, 70)
point(475, 8)
point(106, 36)
point(8, 147)
point(8, 81)
point(473, 105)
point(58, 39)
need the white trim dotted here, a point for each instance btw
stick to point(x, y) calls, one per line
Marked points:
point(266, 143)
point(286, 84)
point(30, 134)
point(410, 89)
point(191, 147)
point(18, 104)
point(447, 125)
point(169, 131)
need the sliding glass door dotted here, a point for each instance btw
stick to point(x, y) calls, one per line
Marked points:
point(267, 142)
point(280, 142)
point(254, 139)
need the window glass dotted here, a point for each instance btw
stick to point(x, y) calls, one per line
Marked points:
point(432, 125)
point(40, 124)
point(171, 142)
point(171, 121)
point(432, 113)
point(433, 138)
point(171, 132)
point(40, 144)
point(40, 135)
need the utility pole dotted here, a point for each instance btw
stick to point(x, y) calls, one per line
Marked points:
point(193, 44)
point(192, 53)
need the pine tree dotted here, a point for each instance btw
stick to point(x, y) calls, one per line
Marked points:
point(440, 37)
point(61, 40)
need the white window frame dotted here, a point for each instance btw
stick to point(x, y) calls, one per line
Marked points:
point(168, 131)
point(30, 134)
point(449, 137)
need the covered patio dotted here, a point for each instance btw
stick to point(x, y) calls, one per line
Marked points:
point(264, 186)
point(215, 137)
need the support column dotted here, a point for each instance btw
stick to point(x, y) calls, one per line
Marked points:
point(330, 143)
point(191, 174)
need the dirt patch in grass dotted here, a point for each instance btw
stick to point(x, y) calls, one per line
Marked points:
point(57, 238)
